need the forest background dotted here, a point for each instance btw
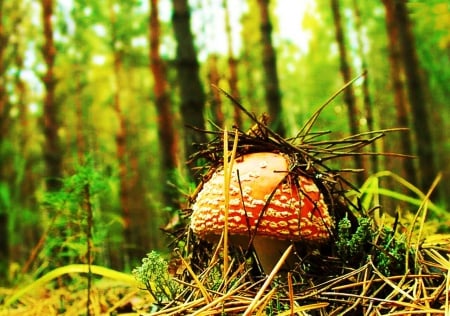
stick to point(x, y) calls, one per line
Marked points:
point(96, 100)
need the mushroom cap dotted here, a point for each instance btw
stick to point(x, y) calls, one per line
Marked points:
point(295, 207)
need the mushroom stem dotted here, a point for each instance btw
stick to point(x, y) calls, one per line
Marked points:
point(269, 251)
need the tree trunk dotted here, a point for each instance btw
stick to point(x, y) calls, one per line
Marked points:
point(121, 144)
point(28, 185)
point(349, 94)
point(4, 233)
point(416, 94)
point(145, 223)
point(271, 82)
point(232, 68)
point(192, 96)
point(52, 146)
point(215, 94)
point(166, 133)
point(80, 118)
point(368, 106)
point(401, 104)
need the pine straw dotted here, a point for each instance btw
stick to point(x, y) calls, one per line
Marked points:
point(107, 298)
point(360, 290)
point(324, 283)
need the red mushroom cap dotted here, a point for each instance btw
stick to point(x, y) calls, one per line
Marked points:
point(295, 211)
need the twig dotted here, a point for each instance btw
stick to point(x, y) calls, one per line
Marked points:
point(195, 278)
point(228, 170)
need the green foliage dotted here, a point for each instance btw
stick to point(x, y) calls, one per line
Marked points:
point(387, 250)
point(154, 275)
point(68, 211)
point(353, 247)
point(390, 253)
point(5, 197)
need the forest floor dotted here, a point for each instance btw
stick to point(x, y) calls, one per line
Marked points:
point(364, 290)
point(106, 298)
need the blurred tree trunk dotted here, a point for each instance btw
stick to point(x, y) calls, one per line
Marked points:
point(140, 233)
point(121, 143)
point(271, 82)
point(52, 147)
point(4, 104)
point(416, 94)
point(28, 185)
point(80, 117)
point(368, 106)
point(4, 181)
point(349, 94)
point(144, 229)
point(232, 67)
point(166, 132)
point(401, 104)
point(249, 60)
point(192, 96)
point(215, 94)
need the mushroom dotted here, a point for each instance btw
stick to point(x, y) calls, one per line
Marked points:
point(269, 206)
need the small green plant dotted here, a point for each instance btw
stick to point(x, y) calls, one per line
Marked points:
point(353, 247)
point(387, 250)
point(71, 211)
point(390, 253)
point(154, 275)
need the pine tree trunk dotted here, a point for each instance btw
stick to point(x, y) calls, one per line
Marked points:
point(4, 233)
point(30, 232)
point(192, 96)
point(166, 132)
point(401, 104)
point(80, 119)
point(145, 223)
point(232, 67)
point(349, 94)
point(368, 106)
point(271, 82)
point(250, 94)
point(416, 95)
point(52, 147)
point(121, 145)
point(215, 94)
